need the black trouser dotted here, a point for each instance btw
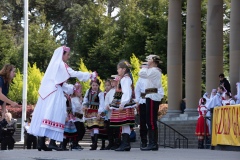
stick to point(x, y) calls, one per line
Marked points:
point(80, 130)
point(143, 122)
point(31, 141)
point(152, 113)
point(7, 142)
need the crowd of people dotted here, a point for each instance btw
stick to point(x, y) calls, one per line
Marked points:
point(219, 97)
point(63, 112)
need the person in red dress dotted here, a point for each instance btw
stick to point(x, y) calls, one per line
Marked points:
point(202, 110)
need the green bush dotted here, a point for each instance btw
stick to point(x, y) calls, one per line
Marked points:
point(34, 80)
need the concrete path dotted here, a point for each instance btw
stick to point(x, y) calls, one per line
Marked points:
point(162, 154)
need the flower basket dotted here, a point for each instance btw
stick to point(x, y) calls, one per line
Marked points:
point(162, 110)
point(17, 112)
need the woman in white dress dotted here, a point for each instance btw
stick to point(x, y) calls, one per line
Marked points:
point(50, 112)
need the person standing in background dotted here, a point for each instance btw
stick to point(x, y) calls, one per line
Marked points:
point(7, 74)
point(224, 82)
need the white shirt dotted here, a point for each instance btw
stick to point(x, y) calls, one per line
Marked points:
point(77, 107)
point(140, 88)
point(126, 84)
point(108, 99)
point(153, 80)
point(101, 101)
point(228, 102)
point(26, 126)
point(215, 101)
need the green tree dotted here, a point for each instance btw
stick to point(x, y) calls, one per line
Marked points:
point(165, 87)
point(34, 80)
point(7, 48)
point(134, 61)
point(41, 43)
point(15, 92)
point(85, 85)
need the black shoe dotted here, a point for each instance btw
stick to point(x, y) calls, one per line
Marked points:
point(53, 145)
point(125, 145)
point(41, 144)
point(152, 143)
point(110, 143)
point(63, 145)
point(143, 145)
point(143, 142)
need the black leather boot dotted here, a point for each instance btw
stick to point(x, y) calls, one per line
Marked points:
point(110, 142)
point(103, 145)
point(201, 144)
point(92, 139)
point(53, 145)
point(117, 142)
point(143, 142)
point(151, 145)
point(41, 144)
point(125, 145)
point(94, 146)
point(63, 145)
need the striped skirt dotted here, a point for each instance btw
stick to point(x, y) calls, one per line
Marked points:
point(122, 118)
point(91, 119)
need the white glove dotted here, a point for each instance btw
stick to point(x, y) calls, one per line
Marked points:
point(94, 76)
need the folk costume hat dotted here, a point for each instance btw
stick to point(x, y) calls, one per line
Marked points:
point(153, 58)
point(144, 63)
point(115, 77)
point(55, 74)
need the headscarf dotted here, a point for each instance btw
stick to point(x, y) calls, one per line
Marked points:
point(56, 73)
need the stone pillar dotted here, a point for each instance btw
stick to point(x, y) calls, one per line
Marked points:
point(193, 56)
point(174, 56)
point(214, 43)
point(234, 45)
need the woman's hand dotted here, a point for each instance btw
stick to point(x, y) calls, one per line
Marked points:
point(14, 104)
point(120, 108)
point(98, 116)
point(107, 108)
point(94, 76)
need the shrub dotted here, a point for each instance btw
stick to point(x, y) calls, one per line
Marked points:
point(17, 112)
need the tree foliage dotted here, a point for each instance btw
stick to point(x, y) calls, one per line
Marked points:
point(34, 80)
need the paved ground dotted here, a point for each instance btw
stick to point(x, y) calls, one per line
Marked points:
point(162, 154)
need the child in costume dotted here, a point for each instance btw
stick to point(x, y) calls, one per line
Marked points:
point(123, 105)
point(94, 107)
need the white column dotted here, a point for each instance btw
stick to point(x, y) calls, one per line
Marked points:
point(214, 43)
point(193, 56)
point(174, 56)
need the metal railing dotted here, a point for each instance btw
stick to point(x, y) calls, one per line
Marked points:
point(169, 137)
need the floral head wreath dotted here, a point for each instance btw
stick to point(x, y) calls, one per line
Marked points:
point(67, 49)
point(78, 87)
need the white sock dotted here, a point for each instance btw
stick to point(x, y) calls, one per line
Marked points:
point(96, 131)
point(126, 129)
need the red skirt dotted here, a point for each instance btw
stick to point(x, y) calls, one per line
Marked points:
point(123, 117)
point(200, 127)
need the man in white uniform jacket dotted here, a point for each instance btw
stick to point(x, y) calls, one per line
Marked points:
point(152, 74)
